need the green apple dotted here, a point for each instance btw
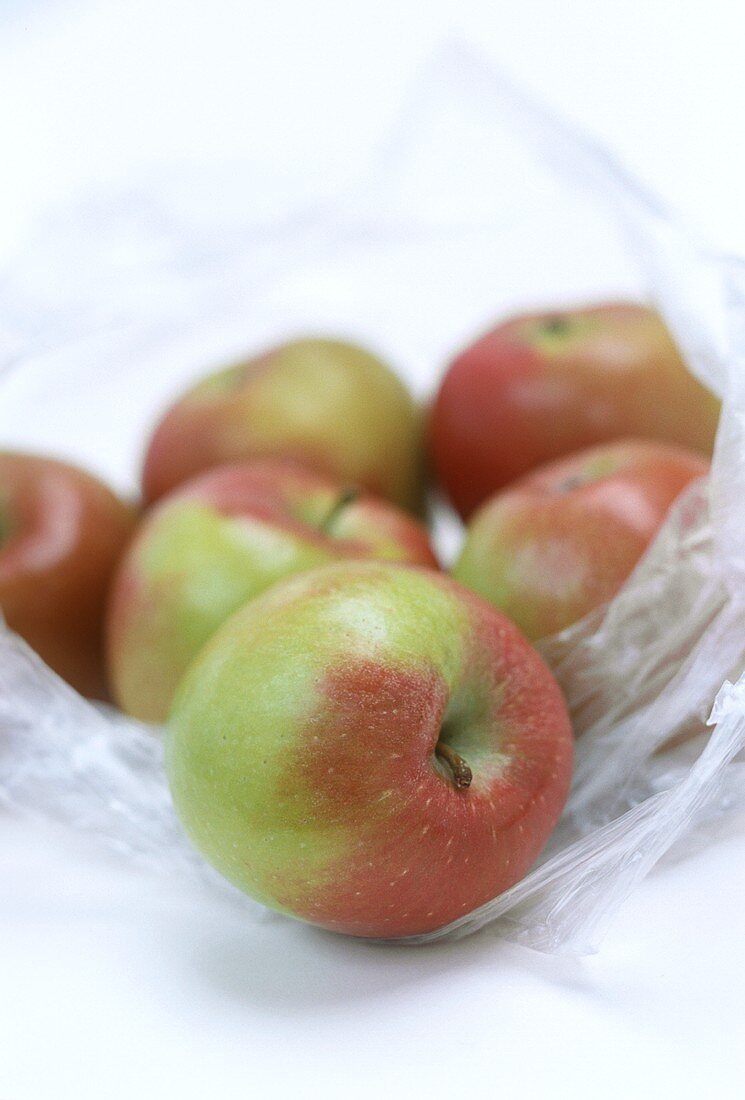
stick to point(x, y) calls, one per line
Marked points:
point(220, 540)
point(370, 748)
point(329, 405)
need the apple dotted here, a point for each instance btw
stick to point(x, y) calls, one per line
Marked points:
point(327, 404)
point(371, 748)
point(220, 540)
point(61, 534)
point(543, 385)
point(563, 539)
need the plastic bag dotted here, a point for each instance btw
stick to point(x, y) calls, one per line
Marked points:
point(482, 202)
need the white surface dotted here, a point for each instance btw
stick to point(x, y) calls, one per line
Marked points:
point(110, 985)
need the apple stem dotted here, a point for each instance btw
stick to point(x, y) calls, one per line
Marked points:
point(576, 481)
point(556, 325)
point(346, 497)
point(462, 774)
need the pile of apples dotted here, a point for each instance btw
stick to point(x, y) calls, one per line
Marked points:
point(355, 737)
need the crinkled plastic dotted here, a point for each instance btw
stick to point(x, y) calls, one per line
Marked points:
point(482, 202)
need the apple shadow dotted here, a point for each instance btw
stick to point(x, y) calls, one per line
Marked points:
point(286, 967)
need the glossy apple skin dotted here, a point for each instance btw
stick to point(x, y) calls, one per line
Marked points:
point(543, 385)
point(62, 532)
point(301, 750)
point(563, 540)
point(220, 540)
point(326, 404)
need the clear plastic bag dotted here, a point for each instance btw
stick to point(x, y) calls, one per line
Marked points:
point(482, 202)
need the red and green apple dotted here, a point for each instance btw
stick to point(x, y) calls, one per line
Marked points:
point(329, 405)
point(563, 539)
point(218, 541)
point(370, 748)
point(62, 532)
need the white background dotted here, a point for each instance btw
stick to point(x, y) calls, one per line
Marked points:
point(112, 984)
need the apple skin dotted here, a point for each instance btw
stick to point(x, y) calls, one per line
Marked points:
point(543, 385)
point(301, 750)
point(326, 404)
point(62, 532)
point(563, 539)
point(217, 542)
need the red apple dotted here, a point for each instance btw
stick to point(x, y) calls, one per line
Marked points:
point(370, 748)
point(563, 539)
point(329, 405)
point(220, 540)
point(543, 385)
point(61, 535)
